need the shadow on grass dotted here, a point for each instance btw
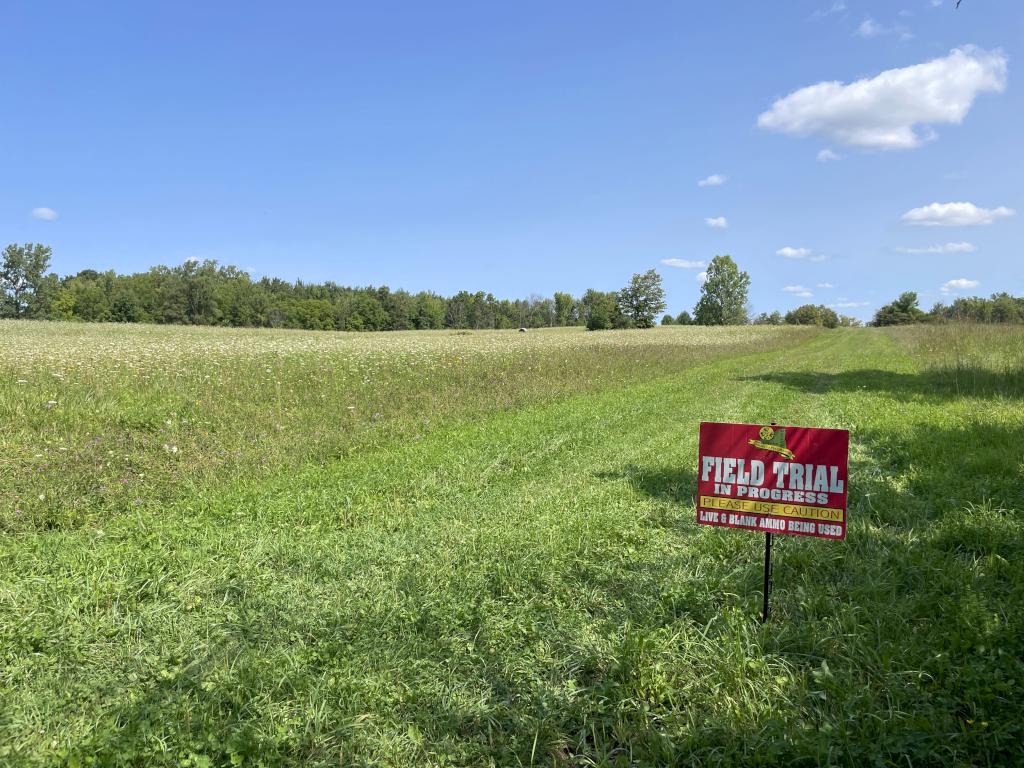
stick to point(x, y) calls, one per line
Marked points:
point(666, 483)
point(935, 383)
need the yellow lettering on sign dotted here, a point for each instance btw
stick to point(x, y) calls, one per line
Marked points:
point(767, 508)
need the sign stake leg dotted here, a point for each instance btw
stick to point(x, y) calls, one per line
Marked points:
point(767, 575)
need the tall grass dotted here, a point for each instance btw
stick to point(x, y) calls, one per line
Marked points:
point(966, 358)
point(99, 420)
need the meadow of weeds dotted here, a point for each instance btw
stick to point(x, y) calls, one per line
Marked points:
point(99, 419)
point(443, 549)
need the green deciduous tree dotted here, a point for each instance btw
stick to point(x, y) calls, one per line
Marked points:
point(902, 311)
point(22, 273)
point(723, 297)
point(1000, 308)
point(643, 299)
point(775, 318)
point(812, 314)
point(565, 309)
point(429, 313)
point(600, 310)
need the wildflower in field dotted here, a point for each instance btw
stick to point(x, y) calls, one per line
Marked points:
point(218, 380)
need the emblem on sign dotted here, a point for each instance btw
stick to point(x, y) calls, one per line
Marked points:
point(773, 440)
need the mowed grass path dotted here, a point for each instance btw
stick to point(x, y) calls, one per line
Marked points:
point(533, 589)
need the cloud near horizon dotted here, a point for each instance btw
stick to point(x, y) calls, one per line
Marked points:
point(714, 180)
point(959, 284)
point(945, 248)
point(44, 214)
point(717, 222)
point(882, 112)
point(798, 290)
point(684, 263)
point(788, 252)
point(954, 215)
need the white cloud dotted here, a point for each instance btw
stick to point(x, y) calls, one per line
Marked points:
point(837, 7)
point(827, 155)
point(788, 252)
point(45, 214)
point(882, 112)
point(936, 3)
point(798, 290)
point(825, 285)
point(869, 28)
point(701, 277)
point(954, 215)
point(946, 248)
point(714, 180)
point(684, 263)
point(717, 222)
point(850, 304)
point(959, 284)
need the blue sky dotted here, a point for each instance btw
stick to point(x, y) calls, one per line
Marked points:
point(522, 148)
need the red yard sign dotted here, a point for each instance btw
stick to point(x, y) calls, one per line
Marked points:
point(773, 479)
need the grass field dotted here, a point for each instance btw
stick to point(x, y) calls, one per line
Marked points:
point(283, 548)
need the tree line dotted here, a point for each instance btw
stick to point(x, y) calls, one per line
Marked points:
point(999, 308)
point(207, 293)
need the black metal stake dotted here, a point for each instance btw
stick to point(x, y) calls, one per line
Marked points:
point(767, 567)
